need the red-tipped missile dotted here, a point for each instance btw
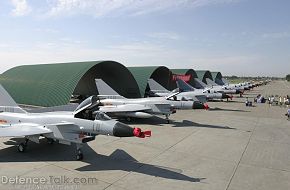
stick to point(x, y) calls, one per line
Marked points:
point(205, 105)
point(141, 134)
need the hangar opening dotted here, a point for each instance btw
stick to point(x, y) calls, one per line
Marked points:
point(161, 74)
point(49, 85)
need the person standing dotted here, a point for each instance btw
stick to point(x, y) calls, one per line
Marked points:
point(288, 114)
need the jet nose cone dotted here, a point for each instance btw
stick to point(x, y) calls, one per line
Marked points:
point(123, 130)
point(197, 105)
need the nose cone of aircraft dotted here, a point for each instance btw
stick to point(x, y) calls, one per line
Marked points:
point(123, 130)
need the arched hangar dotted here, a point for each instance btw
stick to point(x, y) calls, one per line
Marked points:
point(160, 74)
point(54, 84)
point(203, 75)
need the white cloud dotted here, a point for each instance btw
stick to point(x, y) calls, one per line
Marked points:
point(21, 8)
point(100, 8)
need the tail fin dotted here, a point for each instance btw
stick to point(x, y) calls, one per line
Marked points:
point(199, 83)
point(219, 82)
point(156, 87)
point(7, 104)
point(105, 91)
point(210, 82)
point(183, 86)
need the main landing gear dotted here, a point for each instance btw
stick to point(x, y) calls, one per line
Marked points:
point(49, 141)
point(22, 146)
point(79, 155)
point(167, 119)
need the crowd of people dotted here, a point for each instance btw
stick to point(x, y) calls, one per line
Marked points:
point(278, 100)
point(282, 101)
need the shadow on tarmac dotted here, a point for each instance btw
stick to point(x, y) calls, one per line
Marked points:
point(157, 121)
point(187, 123)
point(118, 160)
point(222, 109)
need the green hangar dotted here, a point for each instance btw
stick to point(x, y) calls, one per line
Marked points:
point(49, 85)
point(160, 74)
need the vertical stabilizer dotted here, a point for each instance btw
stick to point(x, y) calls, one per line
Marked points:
point(7, 104)
point(105, 90)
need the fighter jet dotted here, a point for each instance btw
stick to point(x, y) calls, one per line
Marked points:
point(212, 86)
point(186, 91)
point(78, 127)
point(116, 105)
point(224, 84)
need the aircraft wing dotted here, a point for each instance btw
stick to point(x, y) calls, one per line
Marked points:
point(22, 130)
point(124, 108)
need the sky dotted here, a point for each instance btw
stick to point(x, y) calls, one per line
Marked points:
point(235, 37)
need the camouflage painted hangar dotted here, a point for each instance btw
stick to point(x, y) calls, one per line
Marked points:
point(49, 85)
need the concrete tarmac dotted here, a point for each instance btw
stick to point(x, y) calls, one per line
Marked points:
point(229, 147)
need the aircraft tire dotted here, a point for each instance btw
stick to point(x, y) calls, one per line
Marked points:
point(50, 141)
point(21, 147)
point(80, 156)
